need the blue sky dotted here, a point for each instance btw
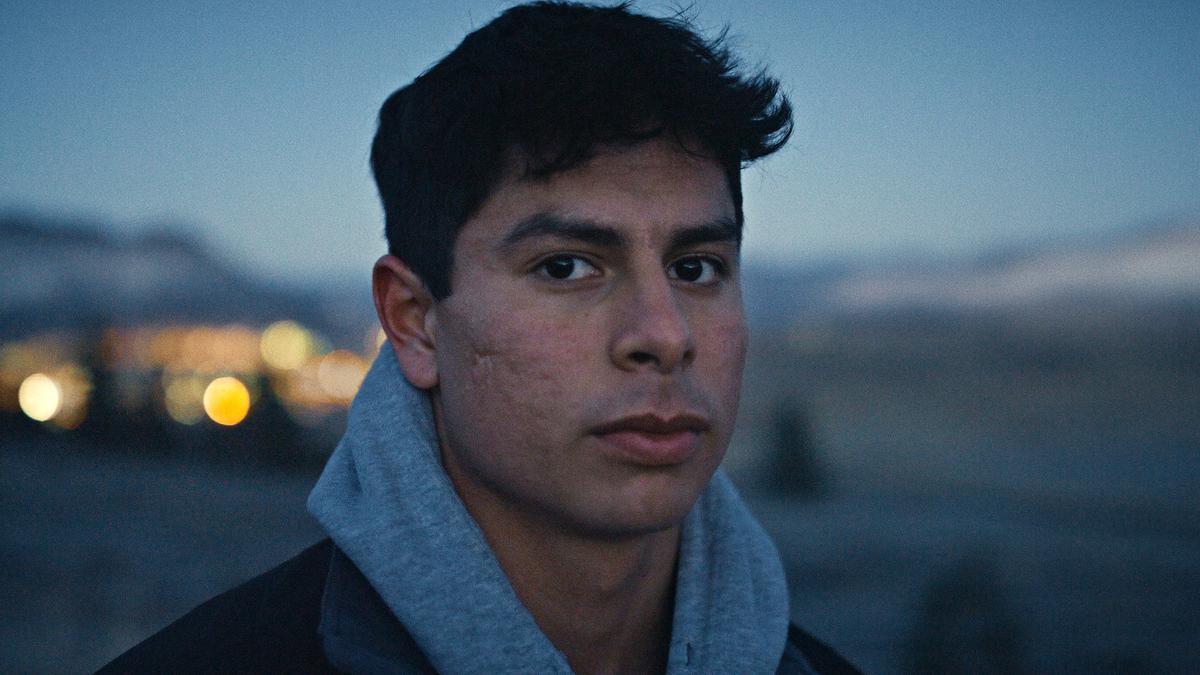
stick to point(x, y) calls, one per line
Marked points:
point(932, 128)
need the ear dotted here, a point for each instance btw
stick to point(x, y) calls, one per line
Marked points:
point(405, 308)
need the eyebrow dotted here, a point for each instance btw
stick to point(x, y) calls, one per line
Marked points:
point(599, 234)
point(549, 225)
point(721, 230)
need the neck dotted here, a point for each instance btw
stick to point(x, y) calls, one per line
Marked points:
point(605, 604)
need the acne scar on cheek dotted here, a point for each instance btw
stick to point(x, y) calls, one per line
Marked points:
point(483, 359)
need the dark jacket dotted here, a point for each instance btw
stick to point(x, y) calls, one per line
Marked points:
point(270, 625)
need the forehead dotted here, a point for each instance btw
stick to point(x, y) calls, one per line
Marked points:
point(647, 190)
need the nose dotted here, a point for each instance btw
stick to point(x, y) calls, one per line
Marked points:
point(652, 331)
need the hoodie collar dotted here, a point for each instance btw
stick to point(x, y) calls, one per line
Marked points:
point(387, 503)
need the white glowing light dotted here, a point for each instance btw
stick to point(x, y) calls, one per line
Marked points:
point(40, 397)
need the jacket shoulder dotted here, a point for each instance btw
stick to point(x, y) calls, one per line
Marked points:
point(806, 654)
point(266, 624)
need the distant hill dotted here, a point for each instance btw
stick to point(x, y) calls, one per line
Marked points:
point(60, 273)
point(1149, 266)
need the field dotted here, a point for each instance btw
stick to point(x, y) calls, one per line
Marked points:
point(979, 496)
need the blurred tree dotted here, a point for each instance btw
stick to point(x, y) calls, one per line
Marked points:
point(793, 467)
point(104, 419)
point(272, 435)
point(964, 624)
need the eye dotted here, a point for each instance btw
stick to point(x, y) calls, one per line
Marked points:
point(565, 267)
point(697, 270)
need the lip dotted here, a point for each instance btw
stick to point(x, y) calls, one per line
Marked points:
point(653, 440)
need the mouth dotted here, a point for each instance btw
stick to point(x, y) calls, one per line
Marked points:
point(653, 440)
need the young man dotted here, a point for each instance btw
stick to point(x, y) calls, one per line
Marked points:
point(529, 481)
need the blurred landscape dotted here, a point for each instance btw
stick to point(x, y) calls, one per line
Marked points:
point(970, 464)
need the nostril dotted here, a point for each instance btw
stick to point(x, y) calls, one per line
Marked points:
point(643, 357)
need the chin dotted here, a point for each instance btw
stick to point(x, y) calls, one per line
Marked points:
point(644, 508)
point(628, 527)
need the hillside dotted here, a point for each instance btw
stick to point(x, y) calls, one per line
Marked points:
point(72, 274)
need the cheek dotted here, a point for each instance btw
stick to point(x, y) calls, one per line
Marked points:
point(724, 339)
point(507, 370)
point(733, 337)
point(725, 343)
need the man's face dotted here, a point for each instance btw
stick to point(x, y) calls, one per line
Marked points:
point(589, 357)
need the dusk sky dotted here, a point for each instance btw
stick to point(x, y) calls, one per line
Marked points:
point(935, 128)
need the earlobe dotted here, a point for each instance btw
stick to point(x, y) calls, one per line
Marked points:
point(406, 312)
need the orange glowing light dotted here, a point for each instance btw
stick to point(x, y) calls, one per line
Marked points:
point(75, 387)
point(226, 401)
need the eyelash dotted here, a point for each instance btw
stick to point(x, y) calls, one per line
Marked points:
point(542, 268)
point(720, 270)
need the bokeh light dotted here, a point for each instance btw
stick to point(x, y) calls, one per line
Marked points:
point(184, 399)
point(166, 369)
point(340, 373)
point(75, 387)
point(44, 354)
point(226, 401)
point(40, 397)
point(202, 349)
point(286, 345)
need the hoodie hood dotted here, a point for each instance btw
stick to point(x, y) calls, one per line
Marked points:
point(387, 503)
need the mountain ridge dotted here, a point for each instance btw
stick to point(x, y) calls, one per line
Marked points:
point(60, 272)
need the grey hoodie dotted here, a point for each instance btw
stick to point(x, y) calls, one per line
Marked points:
point(386, 502)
